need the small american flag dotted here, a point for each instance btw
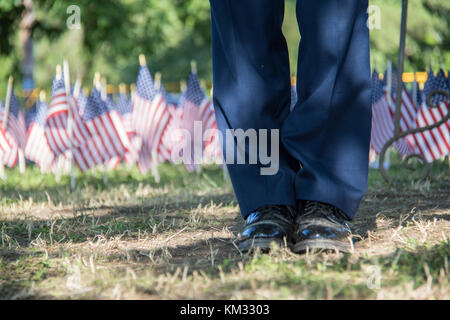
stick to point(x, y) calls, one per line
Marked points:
point(408, 114)
point(124, 107)
point(197, 107)
point(434, 144)
point(5, 144)
point(394, 79)
point(408, 110)
point(15, 131)
point(150, 116)
point(56, 125)
point(18, 119)
point(36, 147)
point(108, 136)
point(382, 121)
point(173, 135)
point(380, 131)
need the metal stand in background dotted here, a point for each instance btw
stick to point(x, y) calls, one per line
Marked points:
point(398, 104)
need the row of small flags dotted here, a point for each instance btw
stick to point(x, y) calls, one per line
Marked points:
point(415, 113)
point(99, 130)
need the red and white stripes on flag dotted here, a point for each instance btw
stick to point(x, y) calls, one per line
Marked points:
point(56, 128)
point(57, 134)
point(408, 111)
point(132, 154)
point(18, 128)
point(87, 156)
point(109, 135)
point(408, 114)
point(5, 145)
point(151, 119)
point(36, 147)
point(112, 163)
point(213, 146)
point(433, 144)
point(109, 139)
point(383, 127)
point(8, 148)
point(16, 135)
point(173, 137)
point(204, 113)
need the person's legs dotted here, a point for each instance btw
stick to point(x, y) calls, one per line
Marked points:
point(251, 81)
point(329, 128)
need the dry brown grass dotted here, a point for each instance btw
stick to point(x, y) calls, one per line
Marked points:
point(141, 240)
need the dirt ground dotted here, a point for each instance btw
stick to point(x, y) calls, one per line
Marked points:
point(176, 240)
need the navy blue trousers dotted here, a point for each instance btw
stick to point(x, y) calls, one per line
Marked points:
point(324, 146)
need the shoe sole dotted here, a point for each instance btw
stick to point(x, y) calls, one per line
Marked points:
point(262, 244)
point(322, 244)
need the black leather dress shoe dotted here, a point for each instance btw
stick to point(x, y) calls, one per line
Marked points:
point(321, 226)
point(266, 225)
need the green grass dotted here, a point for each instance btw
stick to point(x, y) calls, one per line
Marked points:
point(132, 238)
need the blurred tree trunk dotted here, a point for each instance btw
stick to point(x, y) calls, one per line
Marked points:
point(26, 40)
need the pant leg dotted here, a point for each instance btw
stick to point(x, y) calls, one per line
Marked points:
point(329, 128)
point(252, 90)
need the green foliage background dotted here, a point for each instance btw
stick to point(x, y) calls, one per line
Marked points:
point(172, 32)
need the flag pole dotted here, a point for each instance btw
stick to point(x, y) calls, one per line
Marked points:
point(414, 87)
point(69, 123)
point(123, 88)
point(197, 166)
point(42, 98)
point(401, 59)
point(158, 77)
point(5, 120)
point(8, 102)
point(194, 66)
point(132, 91)
point(387, 162)
point(155, 170)
point(77, 87)
point(104, 91)
point(104, 95)
point(61, 158)
point(389, 77)
point(96, 85)
point(154, 156)
point(183, 86)
point(22, 163)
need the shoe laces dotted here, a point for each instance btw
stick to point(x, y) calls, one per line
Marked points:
point(315, 208)
point(283, 213)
